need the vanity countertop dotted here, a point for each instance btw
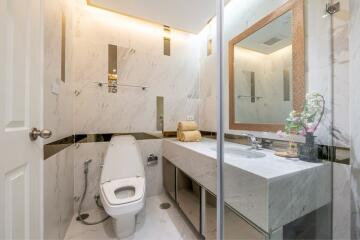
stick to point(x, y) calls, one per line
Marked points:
point(268, 190)
point(269, 166)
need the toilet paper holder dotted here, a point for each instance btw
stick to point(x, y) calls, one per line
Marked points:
point(152, 160)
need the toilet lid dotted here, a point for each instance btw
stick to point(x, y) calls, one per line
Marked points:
point(122, 191)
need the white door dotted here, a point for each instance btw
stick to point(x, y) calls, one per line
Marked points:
point(20, 110)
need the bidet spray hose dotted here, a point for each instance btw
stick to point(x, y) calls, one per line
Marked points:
point(86, 171)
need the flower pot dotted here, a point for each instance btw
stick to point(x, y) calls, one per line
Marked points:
point(308, 151)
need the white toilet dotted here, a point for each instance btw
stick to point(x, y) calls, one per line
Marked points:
point(122, 184)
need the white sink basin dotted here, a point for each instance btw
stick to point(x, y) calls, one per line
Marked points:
point(247, 153)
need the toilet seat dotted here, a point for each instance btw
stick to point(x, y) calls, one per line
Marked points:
point(109, 188)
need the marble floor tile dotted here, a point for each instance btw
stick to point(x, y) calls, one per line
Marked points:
point(152, 224)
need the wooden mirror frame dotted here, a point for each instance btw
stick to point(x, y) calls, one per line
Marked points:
point(298, 63)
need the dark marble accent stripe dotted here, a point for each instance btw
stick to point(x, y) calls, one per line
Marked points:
point(169, 134)
point(172, 134)
point(330, 153)
point(106, 137)
point(53, 148)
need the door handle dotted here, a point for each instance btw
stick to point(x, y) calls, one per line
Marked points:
point(35, 133)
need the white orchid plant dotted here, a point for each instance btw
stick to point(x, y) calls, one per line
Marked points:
point(309, 119)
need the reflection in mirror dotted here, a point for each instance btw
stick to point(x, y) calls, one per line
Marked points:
point(266, 70)
point(262, 74)
point(262, 67)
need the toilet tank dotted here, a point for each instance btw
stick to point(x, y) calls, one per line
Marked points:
point(122, 159)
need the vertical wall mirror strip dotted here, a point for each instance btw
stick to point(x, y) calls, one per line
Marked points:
point(63, 45)
point(112, 68)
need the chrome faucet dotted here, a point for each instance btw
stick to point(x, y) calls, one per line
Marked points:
point(255, 144)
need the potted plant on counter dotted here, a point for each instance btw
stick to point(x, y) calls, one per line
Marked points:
point(306, 123)
point(311, 117)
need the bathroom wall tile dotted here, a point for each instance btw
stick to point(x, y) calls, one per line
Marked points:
point(154, 178)
point(58, 170)
point(340, 33)
point(236, 19)
point(355, 116)
point(96, 152)
point(58, 193)
point(57, 107)
point(84, 152)
point(176, 78)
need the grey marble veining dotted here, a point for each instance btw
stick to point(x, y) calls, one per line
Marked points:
point(355, 116)
point(270, 191)
point(58, 193)
point(154, 178)
point(58, 108)
point(174, 77)
point(84, 152)
point(340, 34)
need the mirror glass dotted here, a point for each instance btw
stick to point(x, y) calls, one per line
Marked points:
point(263, 86)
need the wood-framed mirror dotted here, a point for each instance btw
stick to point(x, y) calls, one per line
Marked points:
point(267, 70)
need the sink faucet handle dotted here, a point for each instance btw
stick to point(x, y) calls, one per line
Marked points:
point(255, 144)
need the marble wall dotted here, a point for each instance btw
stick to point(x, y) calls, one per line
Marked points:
point(187, 81)
point(58, 96)
point(58, 193)
point(58, 111)
point(355, 116)
point(240, 15)
point(174, 77)
point(96, 152)
point(341, 59)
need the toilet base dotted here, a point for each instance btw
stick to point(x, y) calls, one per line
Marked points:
point(124, 226)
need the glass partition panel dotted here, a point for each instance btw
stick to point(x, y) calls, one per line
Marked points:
point(278, 147)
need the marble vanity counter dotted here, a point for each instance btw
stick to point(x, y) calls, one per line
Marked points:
point(268, 190)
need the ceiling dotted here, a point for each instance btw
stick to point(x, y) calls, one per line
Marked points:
point(274, 36)
point(186, 15)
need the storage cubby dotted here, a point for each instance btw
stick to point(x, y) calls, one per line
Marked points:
point(189, 198)
point(199, 206)
point(235, 227)
point(169, 173)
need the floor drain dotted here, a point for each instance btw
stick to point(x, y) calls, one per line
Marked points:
point(165, 205)
point(83, 216)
